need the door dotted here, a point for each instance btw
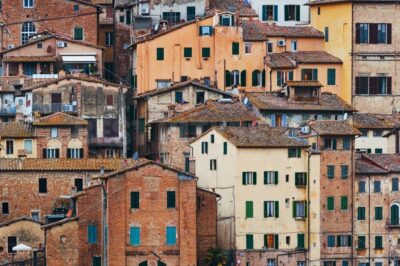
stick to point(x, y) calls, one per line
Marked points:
point(56, 102)
point(12, 242)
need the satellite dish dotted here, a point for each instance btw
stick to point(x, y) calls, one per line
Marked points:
point(345, 116)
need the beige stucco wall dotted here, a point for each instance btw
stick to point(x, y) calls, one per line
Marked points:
point(18, 145)
point(370, 142)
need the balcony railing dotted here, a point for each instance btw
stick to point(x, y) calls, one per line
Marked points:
point(393, 223)
point(106, 141)
point(8, 111)
point(53, 108)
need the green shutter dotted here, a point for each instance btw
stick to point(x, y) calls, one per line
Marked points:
point(286, 13)
point(276, 209)
point(205, 52)
point(244, 178)
point(265, 210)
point(378, 213)
point(276, 241)
point(331, 76)
point(275, 13)
point(305, 209)
point(300, 241)
point(187, 52)
point(343, 203)
point(135, 200)
point(228, 78)
point(276, 174)
point(225, 147)
point(254, 178)
point(243, 78)
point(294, 209)
point(298, 153)
point(78, 34)
point(249, 242)
point(330, 203)
point(263, 76)
point(297, 13)
point(160, 54)
point(264, 13)
point(249, 209)
point(361, 242)
point(171, 199)
point(235, 48)
point(279, 78)
point(378, 242)
point(254, 78)
point(315, 74)
point(291, 75)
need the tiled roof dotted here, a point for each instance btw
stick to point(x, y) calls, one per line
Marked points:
point(388, 162)
point(213, 111)
point(269, 101)
point(322, 2)
point(16, 130)
point(291, 59)
point(60, 119)
point(179, 86)
point(19, 219)
point(30, 59)
point(61, 222)
point(333, 127)
point(258, 31)
point(259, 136)
point(63, 164)
point(236, 6)
point(365, 166)
point(303, 83)
point(7, 83)
point(381, 121)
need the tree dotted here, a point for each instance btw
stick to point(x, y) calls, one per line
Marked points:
point(215, 257)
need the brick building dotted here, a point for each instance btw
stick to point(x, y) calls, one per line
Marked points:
point(21, 19)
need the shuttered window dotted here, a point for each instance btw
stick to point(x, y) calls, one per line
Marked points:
point(343, 203)
point(378, 213)
point(235, 48)
point(134, 236)
point(205, 52)
point(249, 209)
point(300, 179)
point(135, 200)
point(78, 34)
point(330, 204)
point(378, 242)
point(225, 147)
point(331, 76)
point(271, 177)
point(361, 242)
point(361, 213)
point(249, 241)
point(344, 171)
point(160, 54)
point(330, 171)
point(271, 241)
point(271, 209)
point(243, 78)
point(42, 185)
point(300, 241)
point(171, 199)
point(187, 52)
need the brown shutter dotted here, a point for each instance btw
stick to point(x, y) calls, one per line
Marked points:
point(373, 85)
point(389, 33)
point(357, 32)
point(389, 85)
point(373, 33)
point(358, 88)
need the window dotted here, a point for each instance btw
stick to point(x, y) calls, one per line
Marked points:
point(205, 30)
point(331, 241)
point(235, 78)
point(213, 164)
point(172, 17)
point(225, 151)
point(271, 262)
point(187, 52)
point(5, 208)
point(35, 216)
point(122, 19)
point(111, 127)
point(179, 97)
point(42, 185)
point(28, 3)
point(309, 74)
point(134, 236)
point(361, 213)
point(249, 241)
point(377, 186)
point(299, 209)
point(190, 13)
point(171, 235)
point(235, 48)
point(377, 132)
point(96, 261)
point(300, 241)
point(39, 45)
point(249, 209)
point(226, 20)
point(249, 178)
point(160, 54)
point(109, 38)
point(76, 8)
point(293, 46)
point(75, 153)
point(135, 199)
point(395, 184)
point(344, 240)
point(200, 98)
point(204, 147)
point(330, 171)
point(11, 242)
point(270, 47)
point(378, 242)
point(54, 132)
point(9, 147)
point(394, 214)
point(378, 151)
point(271, 209)
point(330, 143)
point(51, 153)
point(78, 184)
point(212, 138)
point(326, 34)
point(374, 85)
point(78, 34)
point(362, 32)
point(374, 33)
point(361, 186)
point(205, 52)
point(344, 171)
point(331, 76)
point(300, 179)
point(330, 203)
point(171, 199)
point(247, 47)
point(292, 12)
point(74, 132)
point(361, 242)
point(269, 13)
point(271, 177)
point(271, 241)
point(256, 78)
point(301, 263)
point(345, 263)
point(378, 213)
point(187, 131)
point(92, 234)
point(28, 29)
point(343, 203)
point(294, 152)
point(346, 143)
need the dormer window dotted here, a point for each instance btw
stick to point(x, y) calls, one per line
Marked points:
point(226, 20)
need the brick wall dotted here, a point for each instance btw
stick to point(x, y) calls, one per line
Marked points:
point(122, 55)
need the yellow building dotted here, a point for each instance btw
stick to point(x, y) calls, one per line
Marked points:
point(17, 139)
point(250, 167)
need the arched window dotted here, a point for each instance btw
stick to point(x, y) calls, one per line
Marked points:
point(28, 29)
point(235, 78)
point(394, 214)
point(256, 78)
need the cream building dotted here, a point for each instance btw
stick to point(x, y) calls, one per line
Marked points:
point(17, 139)
point(250, 167)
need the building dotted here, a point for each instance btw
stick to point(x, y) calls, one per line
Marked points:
point(17, 139)
point(160, 103)
point(287, 13)
point(47, 53)
point(378, 133)
point(171, 135)
point(364, 40)
point(256, 220)
point(376, 209)
point(298, 101)
point(21, 19)
point(153, 222)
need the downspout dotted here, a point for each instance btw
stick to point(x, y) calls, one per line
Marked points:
point(369, 219)
point(397, 140)
point(352, 199)
point(351, 55)
point(270, 80)
point(308, 207)
point(104, 223)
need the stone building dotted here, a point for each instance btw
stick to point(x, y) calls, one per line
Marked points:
point(171, 135)
point(376, 209)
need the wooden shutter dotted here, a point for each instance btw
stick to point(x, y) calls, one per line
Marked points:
point(300, 241)
point(187, 52)
point(228, 78)
point(389, 85)
point(235, 48)
point(294, 209)
point(81, 153)
point(78, 34)
point(276, 209)
point(275, 13)
point(244, 178)
point(291, 75)
point(264, 13)
point(68, 153)
point(305, 209)
point(358, 33)
point(160, 54)
point(205, 52)
point(276, 176)
point(279, 78)
point(389, 33)
point(249, 209)
point(263, 76)
point(265, 208)
point(297, 13)
point(135, 200)
point(243, 78)
point(254, 78)
point(286, 13)
point(254, 178)
point(249, 241)
point(276, 241)
point(225, 147)
point(298, 152)
point(57, 153)
point(334, 144)
point(171, 199)
point(373, 85)
point(343, 203)
point(358, 85)
point(44, 153)
point(171, 235)
point(373, 33)
point(315, 74)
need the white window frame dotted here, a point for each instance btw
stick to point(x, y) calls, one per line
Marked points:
point(31, 141)
point(247, 47)
point(51, 153)
point(270, 209)
point(31, 3)
point(54, 132)
point(75, 153)
point(293, 45)
point(249, 178)
point(270, 177)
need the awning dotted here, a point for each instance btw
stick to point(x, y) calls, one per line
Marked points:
point(22, 247)
point(79, 58)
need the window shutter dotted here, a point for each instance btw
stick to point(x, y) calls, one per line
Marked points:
point(286, 13)
point(171, 235)
point(389, 33)
point(44, 153)
point(358, 85)
point(265, 177)
point(254, 78)
point(305, 209)
point(275, 13)
point(263, 76)
point(276, 209)
point(265, 210)
point(349, 240)
point(279, 78)
point(303, 74)
point(57, 153)
point(227, 78)
point(334, 144)
point(78, 34)
point(373, 85)
point(244, 178)
point(81, 153)
point(298, 153)
point(358, 31)
point(249, 209)
point(187, 52)
point(171, 199)
point(273, 123)
point(291, 75)
point(373, 33)
point(135, 236)
point(264, 13)
point(294, 209)
point(315, 74)
point(135, 200)
point(225, 147)
point(276, 177)
point(254, 178)
point(160, 54)
point(305, 179)
point(235, 48)
point(389, 85)
point(297, 13)
point(243, 78)
point(276, 241)
point(68, 153)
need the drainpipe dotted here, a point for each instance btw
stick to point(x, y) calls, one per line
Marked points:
point(352, 199)
point(104, 220)
point(369, 220)
point(308, 203)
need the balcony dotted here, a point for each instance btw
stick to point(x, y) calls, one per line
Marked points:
point(105, 141)
point(8, 111)
point(393, 223)
point(54, 108)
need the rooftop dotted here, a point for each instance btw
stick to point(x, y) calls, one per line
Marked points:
point(19, 219)
point(60, 119)
point(291, 59)
point(16, 130)
point(333, 128)
point(8, 84)
point(376, 121)
point(241, 7)
point(377, 163)
point(270, 101)
point(304, 83)
point(213, 111)
point(258, 31)
point(322, 2)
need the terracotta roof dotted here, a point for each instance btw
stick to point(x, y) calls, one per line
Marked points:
point(333, 127)
point(291, 59)
point(7, 84)
point(259, 136)
point(322, 2)
point(30, 59)
point(366, 166)
point(213, 111)
point(378, 121)
point(257, 31)
point(235, 6)
point(303, 83)
point(270, 101)
point(180, 85)
point(102, 2)
point(19, 219)
point(16, 130)
point(61, 222)
point(388, 162)
point(60, 119)
point(63, 164)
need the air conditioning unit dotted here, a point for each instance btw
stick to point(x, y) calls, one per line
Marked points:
point(10, 46)
point(61, 44)
point(145, 11)
point(305, 130)
point(68, 108)
point(281, 43)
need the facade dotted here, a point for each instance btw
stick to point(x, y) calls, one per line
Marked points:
point(17, 139)
point(256, 220)
point(298, 101)
point(288, 13)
